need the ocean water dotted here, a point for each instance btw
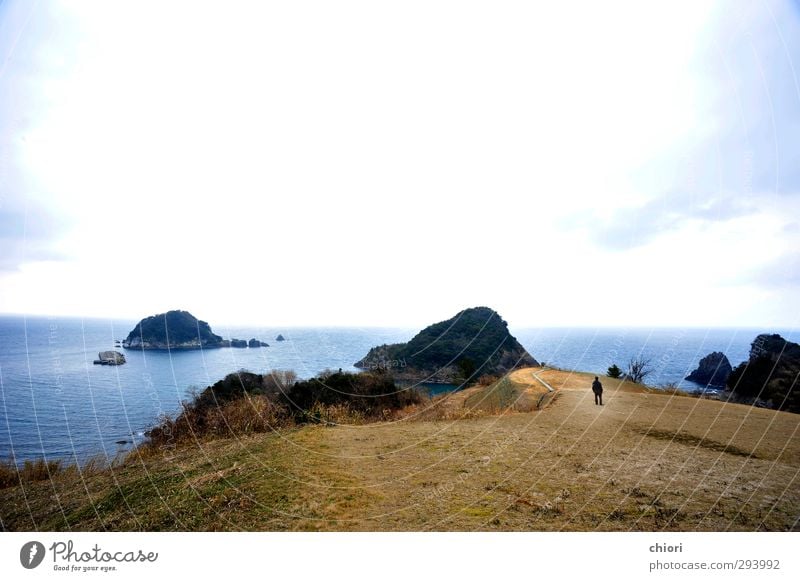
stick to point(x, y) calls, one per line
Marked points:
point(54, 403)
point(673, 352)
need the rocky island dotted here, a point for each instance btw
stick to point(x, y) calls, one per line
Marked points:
point(180, 330)
point(473, 343)
point(712, 371)
point(109, 358)
point(173, 330)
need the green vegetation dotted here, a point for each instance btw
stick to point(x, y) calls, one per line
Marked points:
point(770, 375)
point(171, 329)
point(242, 403)
point(614, 371)
point(248, 403)
point(370, 395)
point(473, 343)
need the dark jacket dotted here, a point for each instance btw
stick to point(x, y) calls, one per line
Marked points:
point(597, 387)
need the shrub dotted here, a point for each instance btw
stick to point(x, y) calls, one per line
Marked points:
point(245, 403)
point(241, 403)
point(365, 395)
point(200, 419)
point(614, 371)
point(486, 380)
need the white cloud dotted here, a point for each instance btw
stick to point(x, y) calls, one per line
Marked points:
point(353, 162)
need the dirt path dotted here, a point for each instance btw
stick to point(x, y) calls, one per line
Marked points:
point(531, 377)
point(643, 461)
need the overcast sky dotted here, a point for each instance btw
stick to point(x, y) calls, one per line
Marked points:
point(390, 163)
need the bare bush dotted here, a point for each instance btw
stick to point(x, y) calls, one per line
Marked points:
point(238, 417)
point(639, 367)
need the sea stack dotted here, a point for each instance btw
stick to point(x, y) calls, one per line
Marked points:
point(473, 343)
point(713, 370)
point(280, 338)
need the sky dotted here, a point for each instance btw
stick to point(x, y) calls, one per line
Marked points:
point(389, 164)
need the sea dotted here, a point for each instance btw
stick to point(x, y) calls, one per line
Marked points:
point(57, 405)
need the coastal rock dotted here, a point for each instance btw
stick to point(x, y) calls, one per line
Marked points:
point(109, 358)
point(238, 343)
point(713, 370)
point(770, 375)
point(256, 343)
point(473, 343)
point(280, 338)
point(172, 330)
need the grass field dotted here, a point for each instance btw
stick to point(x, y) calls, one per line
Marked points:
point(524, 458)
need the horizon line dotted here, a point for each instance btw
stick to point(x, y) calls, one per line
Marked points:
point(405, 327)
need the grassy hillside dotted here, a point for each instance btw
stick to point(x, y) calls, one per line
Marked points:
point(522, 458)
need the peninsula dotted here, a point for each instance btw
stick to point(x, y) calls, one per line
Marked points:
point(473, 343)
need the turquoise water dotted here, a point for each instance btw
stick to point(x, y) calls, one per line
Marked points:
point(55, 403)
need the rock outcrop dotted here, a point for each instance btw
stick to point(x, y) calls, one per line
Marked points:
point(475, 342)
point(238, 343)
point(109, 358)
point(280, 338)
point(712, 371)
point(172, 330)
point(256, 343)
point(771, 375)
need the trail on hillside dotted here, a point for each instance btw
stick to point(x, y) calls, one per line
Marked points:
point(643, 461)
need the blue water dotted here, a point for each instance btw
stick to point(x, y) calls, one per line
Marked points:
point(55, 403)
point(673, 352)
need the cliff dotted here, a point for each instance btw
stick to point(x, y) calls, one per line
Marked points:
point(771, 374)
point(473, 343)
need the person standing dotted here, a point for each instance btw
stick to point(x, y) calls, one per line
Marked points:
point(597, 388)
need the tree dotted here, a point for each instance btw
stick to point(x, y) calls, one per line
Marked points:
point(614, 371)
point(638, 368)
point(467, 368)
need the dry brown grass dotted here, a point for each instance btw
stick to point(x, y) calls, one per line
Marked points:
point(444, 407)
point(30, 471)
point(41, 470)
point(235, 418)
point(644, 461)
